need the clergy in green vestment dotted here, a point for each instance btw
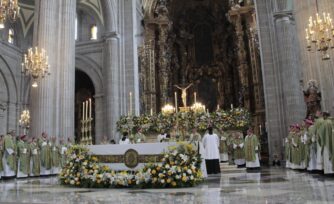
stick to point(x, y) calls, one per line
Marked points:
point(223, 146)
point(288, 147)
point(35, 160)
point(252, 149)
point(1, 155)
point(63, 155)
point(55, 156)
point(238, 149)
point(45, 147)
point(9, 157)
point(139, 136)
point(311, 142)
point(326, 143)
point(23, 157)
point(318, 129)
point(296, 148)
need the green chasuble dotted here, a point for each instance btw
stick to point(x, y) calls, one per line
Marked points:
point(35, 157)
point(55, 155)
point(23, 156)
point(296, 150)
point(9, 143)
point(251, 143)
point(309, 143)
point(288, 147)
point(326, 140)
point(223, 146)
point(318, 129)
point(239, 152)
point(1, 155)
point(45, 147)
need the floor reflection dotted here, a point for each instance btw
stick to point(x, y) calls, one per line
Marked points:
point(270, 185)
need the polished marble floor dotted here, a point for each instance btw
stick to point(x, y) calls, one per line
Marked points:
point(271, 185)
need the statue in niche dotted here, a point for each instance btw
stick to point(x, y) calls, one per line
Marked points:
point(184, 93)
point(312, 98)
point(161, 10)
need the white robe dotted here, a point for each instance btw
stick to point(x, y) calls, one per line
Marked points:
point(203, 166)
point(126, 141)
point(320, 162)
point(312, 164)
point(327, 163)
point(211, 146)
point(7, 171)
point(161, 137)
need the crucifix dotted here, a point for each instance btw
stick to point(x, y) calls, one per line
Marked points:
point(184, 93)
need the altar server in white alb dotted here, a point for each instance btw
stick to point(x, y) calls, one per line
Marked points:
point(125, 139)
point(211, 146)
point(252, 149)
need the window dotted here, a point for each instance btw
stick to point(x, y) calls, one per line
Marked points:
point(11, 36)
point(76, 28)
point(93, 31)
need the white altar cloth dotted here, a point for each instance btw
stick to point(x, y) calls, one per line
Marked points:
point(147, 149)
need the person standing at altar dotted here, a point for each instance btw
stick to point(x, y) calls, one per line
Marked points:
point(23, 169)
point(55, 156)
point(161, 137)
point(211, 146)
point(223, 147)
point(238, 149)
point(318, 125)
point(35, 161)
point(63, 150)
point(296, 148)
point(139, 136)
point(326, 138)
point(9, 157)
point(252, 149)
point(45, 147)
point(124, 139)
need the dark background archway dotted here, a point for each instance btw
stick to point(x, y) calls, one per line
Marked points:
point(84, 89)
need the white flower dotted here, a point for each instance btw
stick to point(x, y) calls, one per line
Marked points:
point(72, 182)
point(189, 171)
point(167, 166)
point(191, 177)
point(162, 181)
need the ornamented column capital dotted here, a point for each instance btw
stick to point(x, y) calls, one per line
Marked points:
point(283, 16)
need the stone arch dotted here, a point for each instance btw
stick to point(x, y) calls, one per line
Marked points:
point(92, 70)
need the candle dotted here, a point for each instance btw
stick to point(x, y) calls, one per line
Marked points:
point(231, 106)
point(218, 107)
point(195, 97)
point(175, 95)
point(151, 112)
point(90, 108)
point(83, 110)
point(86, 103)
point(130, 103)
point(260, 130)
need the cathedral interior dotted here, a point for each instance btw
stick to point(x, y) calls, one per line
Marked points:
point(101, 60)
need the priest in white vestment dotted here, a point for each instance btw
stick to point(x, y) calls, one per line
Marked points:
point(211, 147)
point(124, 139)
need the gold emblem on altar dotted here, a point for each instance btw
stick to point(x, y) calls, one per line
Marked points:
point(131, 158)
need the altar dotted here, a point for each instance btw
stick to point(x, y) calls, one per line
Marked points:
point(129, 156)
point(133, 157)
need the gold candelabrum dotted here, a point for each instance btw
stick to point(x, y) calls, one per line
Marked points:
point(9, 9)
point(86, 123)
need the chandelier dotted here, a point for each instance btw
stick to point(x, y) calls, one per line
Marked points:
point(8, 9)
point(25, 119)
point(36, 64)
point(167, 109)
point(320, 34)
point(198, 107)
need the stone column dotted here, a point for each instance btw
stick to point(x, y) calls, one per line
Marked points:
point(112, 83)
point(288, 62)
point(99, 118)
point(66, 60)
point(2, 122)
point(43, 98)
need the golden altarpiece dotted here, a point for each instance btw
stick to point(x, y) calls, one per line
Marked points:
point(212, 44)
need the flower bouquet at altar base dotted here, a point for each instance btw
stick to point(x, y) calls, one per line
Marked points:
point(180, 167)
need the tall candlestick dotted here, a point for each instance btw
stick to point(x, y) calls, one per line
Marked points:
point(175, 96)
point(90, 108)
point(260, 130)
point(231, 106)
point(195, 94)
point(217, 107)
point(86, 102)
point(130, 103)
point(151, 112)
point(83, 110)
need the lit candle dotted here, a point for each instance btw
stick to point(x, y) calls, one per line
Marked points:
point(195, 97)
point(130, 103)
point(86, 110)
point(175, 96)
point(90, 108)
point(231, 106)
point(22, 67)
point(83, 110)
